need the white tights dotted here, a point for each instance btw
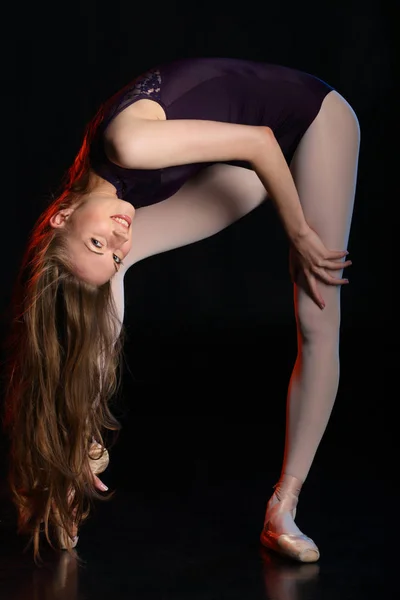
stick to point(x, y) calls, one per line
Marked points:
point(324, 169)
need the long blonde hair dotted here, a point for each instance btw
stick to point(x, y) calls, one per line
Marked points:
point(63, 349)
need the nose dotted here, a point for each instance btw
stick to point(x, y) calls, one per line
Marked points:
point(124, 237)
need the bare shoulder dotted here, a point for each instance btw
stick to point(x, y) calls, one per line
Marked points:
point(139, 113)
point(145, 108)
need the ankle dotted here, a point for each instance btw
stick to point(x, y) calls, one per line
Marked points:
point(288, 485)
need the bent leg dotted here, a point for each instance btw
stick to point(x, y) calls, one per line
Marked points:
point(325, 171)
point(205, 205)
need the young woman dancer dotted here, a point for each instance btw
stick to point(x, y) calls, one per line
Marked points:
point(177, 155)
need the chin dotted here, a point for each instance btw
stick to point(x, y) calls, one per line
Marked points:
point(126, 203)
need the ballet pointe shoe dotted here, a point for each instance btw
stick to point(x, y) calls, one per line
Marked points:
point(280, 534)
point(65, 542)
point(63, 539)
point(98, 461)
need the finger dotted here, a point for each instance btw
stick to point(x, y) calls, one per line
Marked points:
point(315, 295)
point(336, 265)
point(329, 279)
point(99, 484)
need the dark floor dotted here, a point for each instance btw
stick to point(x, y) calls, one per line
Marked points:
point(193, 468)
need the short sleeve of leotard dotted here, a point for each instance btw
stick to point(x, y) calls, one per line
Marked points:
point(147, 86)
point(142, 183)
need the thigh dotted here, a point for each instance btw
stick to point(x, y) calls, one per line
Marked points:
point(214, 199)
point(324, 169)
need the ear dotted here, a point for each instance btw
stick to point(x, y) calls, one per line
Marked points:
point(60, 217)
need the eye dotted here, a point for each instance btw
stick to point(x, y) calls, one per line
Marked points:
point(98, 244)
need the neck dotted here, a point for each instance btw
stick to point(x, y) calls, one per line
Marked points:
point(101, 187)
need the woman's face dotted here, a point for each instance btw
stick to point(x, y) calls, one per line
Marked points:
point(98, 239)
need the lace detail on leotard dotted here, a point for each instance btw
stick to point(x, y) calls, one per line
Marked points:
point(147, 85)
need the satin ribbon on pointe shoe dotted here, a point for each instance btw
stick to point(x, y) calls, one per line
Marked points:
point(293, 545)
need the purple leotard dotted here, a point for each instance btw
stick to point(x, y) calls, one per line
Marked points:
point(216, 89)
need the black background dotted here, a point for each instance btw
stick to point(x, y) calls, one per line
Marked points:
point(211, 338)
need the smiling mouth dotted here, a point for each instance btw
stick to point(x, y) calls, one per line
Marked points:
point(123, 220)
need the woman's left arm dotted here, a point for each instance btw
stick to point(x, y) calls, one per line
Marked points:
point(136, 143)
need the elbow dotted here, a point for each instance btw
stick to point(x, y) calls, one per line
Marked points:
point(263, 138)
point(266, 135)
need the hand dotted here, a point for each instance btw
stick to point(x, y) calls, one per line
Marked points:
point(309, 255)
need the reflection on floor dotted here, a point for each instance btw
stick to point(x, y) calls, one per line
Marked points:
point(134, 554)
point(198, 539)
point(192, 479)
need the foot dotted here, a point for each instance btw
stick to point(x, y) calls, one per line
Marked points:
point(98, 461)
point(65, 540)
point(280, 532)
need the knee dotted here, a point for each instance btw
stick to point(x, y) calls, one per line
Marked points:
point(318, 326)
